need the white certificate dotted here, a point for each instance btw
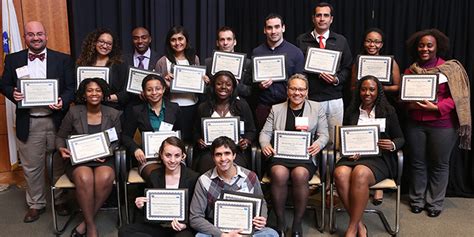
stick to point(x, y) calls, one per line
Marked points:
point(377, 66)
point(239, 196)
point(92, 72)
point(215, 127)
point(291, 145)
point(233, 215)
point(166, 204)
point(188, 79)
point(152, 141)
point(232, 62)
point(419, 87)
point(269, 67)
point(135, 78)
point(88, 147)
point(322, 60)
point(359, 140)
point(38, 92)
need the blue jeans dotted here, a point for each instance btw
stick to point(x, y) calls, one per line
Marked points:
point(265, 232)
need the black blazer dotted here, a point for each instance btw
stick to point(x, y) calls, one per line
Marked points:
point(58, 66)
point(153, 59)
point(137, 117)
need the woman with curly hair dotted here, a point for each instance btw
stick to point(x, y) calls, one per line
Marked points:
point(101, 48)
point(433, 127)
point(93, 179)
point(355, 174)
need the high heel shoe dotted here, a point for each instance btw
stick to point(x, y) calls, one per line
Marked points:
point(75, 233)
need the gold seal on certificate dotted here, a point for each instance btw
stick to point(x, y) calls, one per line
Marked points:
point(213, 128)
point(234, 215)
point(322, 60)
point(247, 197)
point(165, 205)
point(291, 145)
point(419, 87)
point(225, 61)
point(92, 72)
point(152, 141)
point(135, 78)
point(188, 79)
point(85, 148)
point(269, 67)
point(38, 92)
point(359, 140)
point(377, 66)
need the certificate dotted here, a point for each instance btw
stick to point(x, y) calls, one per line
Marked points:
point(359, 140)
point(88, 147)
point(213, 128)
point(165, 205)
point(291, 145)
point(269, 67)
point(377, 66)
point(135, 78)
point(92, 72)
point(233, 215)
point(38, 92)
point(239, 196)
point(233, 62)
point(419, 87)
point(152, 141)
point(188, 79)
point(322, 60)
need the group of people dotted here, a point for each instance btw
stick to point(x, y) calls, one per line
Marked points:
point(306, 101)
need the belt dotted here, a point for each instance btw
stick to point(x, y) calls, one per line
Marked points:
point(40, 116)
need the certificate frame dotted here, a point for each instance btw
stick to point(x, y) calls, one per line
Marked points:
point(362, 131)
point(247, 197)
point(101, 144)
point(362, 71)
point(181, 214)
point(83, 72)
point(275, 75)
point(134, 84)
point(27, 102)
point(228, 121)
point(239, 57)
point(149, 137)
point(247, 212)
point(311, 61)
point(178, 72)
point(280, 135)
point(430, 79)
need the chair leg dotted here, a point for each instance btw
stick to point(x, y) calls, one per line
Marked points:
point(127, 210)
point(59, 230)
point(332, 216)
point(321, 223)
point(119, 205)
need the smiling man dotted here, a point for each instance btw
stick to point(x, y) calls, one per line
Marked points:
point(143, 57)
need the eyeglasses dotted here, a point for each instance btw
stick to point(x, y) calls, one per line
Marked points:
point(103, 43)
point(32, 35)
point(376, 42)
point(294, 89)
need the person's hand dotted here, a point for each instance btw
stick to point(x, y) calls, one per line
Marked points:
point(385, 144)
point(234, 233)
point(206, 79)
point(57, 106)
point(354, 157)
point(330, 79)
point(140, 156)
point(427, 105)
point(268, 151)
point(244, 143)
point(314, 149)
point(265, 84)
point(140, 202)
point(177, 226)
point(113, 98)
point(65, 153)
point(259, 222)
point(101, 160)
point(168, 77)
point(201, 143)
point(17, 95)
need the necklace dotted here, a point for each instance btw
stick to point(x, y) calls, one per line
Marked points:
point(298, 114)
point(222, 112)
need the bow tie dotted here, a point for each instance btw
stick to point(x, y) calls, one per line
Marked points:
point(32, 57)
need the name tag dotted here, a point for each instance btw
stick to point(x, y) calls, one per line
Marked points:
point(442, 78)
point(112, 134)
point(301, 123)
point(22, 72)
point(164, 126)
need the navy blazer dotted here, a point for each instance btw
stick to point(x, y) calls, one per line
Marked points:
point(128, 58)
point(58, 66)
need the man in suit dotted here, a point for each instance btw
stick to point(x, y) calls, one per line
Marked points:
point(36, 127)
point(143, 57)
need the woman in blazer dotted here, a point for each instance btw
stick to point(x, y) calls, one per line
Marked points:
point(284, 117)
point(93, 179)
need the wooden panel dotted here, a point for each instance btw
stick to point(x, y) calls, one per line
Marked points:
point(3, 121)
point(4, 154)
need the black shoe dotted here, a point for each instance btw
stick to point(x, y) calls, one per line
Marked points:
point(416, 210)
point(75, 233)
point(297, 234)
point(434, 213)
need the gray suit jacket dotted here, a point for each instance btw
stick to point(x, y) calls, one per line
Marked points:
point(128, 58)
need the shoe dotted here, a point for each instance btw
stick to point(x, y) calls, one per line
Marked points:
point(33, 214)
point(296, 234)
point(62, 209)
point(75, 233)
point(416, 210)
point(377, 201)
point(434, 213)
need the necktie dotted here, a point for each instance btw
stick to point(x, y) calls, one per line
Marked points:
point(321, 44)
point(32, 56)
point(140, 62)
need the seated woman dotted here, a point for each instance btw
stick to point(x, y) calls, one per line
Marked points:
point(94, 179)
point(287, 116)
point(172, 174)
point(223, 102)
point(354, 175)
point(156, 113)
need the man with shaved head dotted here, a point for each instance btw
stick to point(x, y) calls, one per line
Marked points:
point(36, 126)
point(143, 57)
